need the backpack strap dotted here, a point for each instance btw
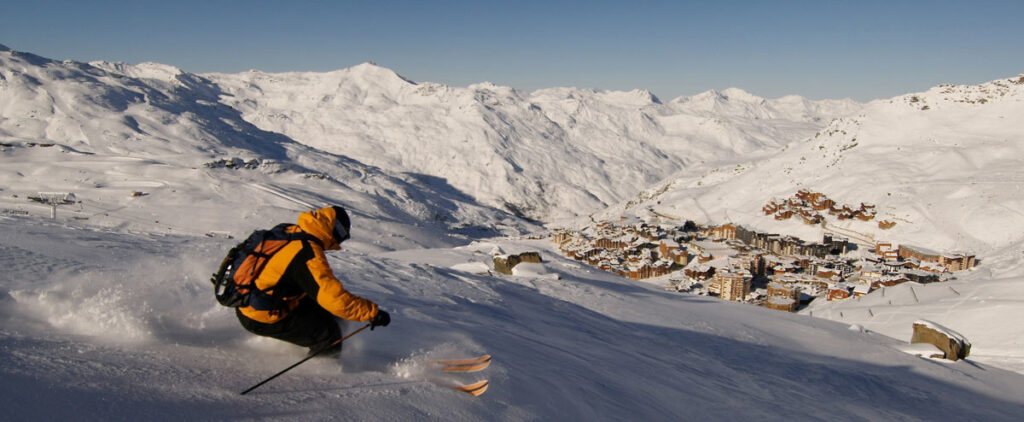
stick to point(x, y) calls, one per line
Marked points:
point(301, 235)
point(261, 299)
point(218, 278)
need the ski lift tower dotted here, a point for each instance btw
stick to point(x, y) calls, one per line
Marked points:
point(54, 199)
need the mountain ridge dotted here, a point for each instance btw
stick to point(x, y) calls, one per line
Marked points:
point(404, 125)
point(102, 124)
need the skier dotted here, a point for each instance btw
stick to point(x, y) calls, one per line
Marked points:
point(303, 296)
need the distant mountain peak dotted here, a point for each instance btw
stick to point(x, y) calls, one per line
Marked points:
point(4, 48)
point(369, 66)
point(709, 96)
point(646, 95)
point(740, 95)
point(373, 70)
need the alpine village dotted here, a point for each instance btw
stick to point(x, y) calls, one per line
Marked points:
point(775, 271)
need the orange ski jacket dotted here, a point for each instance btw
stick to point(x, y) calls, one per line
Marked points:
point(300, 269)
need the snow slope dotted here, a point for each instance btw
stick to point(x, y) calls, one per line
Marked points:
point(978, 305)
point(95, 327)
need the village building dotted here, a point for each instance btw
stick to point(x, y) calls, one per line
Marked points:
point(838, 292)
point(870, 273)
point(829, 274)
point(732, 285)
point(810, 284)
point(673, 251)
point(862, 289)
point(723, 232)
point(890, 280)
point(788, 245)
point(952, 262)
point(561, 237)
point(782, 297)
point(781, 303)
point(699, 273)
point(716, 250)
point(886, 251)
point(923, 277)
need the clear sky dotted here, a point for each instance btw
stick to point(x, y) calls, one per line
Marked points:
point(819, 49)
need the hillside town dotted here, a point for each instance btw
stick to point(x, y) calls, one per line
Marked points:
point(737, 264)
point(811, 207)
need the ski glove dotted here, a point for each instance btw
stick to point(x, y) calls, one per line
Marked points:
point(381, 320)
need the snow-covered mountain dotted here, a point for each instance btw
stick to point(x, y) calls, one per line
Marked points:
point(559, 152)
point(99, 130)
point(555, 153)
point(945, 165)
point(107, 312)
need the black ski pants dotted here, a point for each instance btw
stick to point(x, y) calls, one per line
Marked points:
point(309, 325)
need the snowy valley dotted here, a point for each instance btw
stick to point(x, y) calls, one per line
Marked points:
point(108, 312)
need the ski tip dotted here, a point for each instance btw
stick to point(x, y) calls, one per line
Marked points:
point(467, 367)
point(469, 361)
point(474, 389)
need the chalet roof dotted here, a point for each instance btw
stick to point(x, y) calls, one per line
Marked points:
point(871, 269)
point(919, 273)
point(732, 272)
point(714, 248)
point(702, 268)
point(957, 255)
point(775, 259)
point(672, 243)
point(799, 278)
point(640, 264)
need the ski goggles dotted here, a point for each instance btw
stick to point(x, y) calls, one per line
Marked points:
point(340, 231)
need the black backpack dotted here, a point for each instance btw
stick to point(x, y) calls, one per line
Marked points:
point(235, 281)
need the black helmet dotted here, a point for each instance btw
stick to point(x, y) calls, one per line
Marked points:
point(341, 224)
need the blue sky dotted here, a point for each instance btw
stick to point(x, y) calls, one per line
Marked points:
point(819, 49)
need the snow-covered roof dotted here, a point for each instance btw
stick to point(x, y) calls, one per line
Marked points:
point(781, 300)
point(862, 288)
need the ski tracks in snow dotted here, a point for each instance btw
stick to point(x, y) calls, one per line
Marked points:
point(281, 194)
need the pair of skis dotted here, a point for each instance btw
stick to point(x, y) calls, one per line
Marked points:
point(475, 364)
point(478, 363)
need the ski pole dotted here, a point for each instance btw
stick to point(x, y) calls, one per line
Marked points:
point(311, 356)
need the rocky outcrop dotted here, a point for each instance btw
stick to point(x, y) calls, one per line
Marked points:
point(504, 264)
point(953, 345)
